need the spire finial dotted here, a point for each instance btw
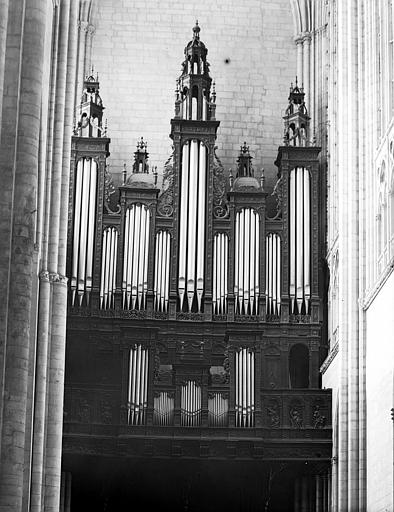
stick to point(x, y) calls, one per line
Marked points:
point(196, 31)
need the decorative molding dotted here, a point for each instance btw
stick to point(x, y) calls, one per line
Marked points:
point(165, 205)
point(372, 294)
point(329, 359)
point(220, 203)
point(109, 190)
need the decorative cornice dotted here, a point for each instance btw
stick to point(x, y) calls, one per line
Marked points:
point(329, 359)
point(54, 277)
point(44, 276)
point(371, 295)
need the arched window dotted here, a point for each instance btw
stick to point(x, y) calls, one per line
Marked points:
point(391, 200)
point(299, 366)
point(382, 218)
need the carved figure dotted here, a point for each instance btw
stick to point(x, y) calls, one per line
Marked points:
point(296, 417)
point(319, 421)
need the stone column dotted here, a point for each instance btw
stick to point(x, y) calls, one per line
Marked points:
point(56, 247)
point(319, 496)
point(324, 494)
point(65, 492)
point(88, 50)
point(24, 73)
point(306, 77)
point(4, 6)
point(300, 59)
point(82, 35)
point(304, 494)
point(349, 439)
point(297, 495)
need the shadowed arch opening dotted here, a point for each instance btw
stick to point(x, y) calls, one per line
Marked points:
point(299, 366)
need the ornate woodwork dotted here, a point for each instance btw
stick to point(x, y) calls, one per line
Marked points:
point(192, 308)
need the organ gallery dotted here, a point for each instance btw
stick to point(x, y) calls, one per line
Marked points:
point(196, 317)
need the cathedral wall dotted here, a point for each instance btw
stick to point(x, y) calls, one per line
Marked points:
point(379, 376)
point(138, 49)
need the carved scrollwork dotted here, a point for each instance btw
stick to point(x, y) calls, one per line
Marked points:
point(156, 369)
point(133, 313)
point(109, 190)
point(278, 194)
point(300, 319)
point(165, 205)
point(106, 411)
point(226, 366)
point(220, 204)
point(190, 316)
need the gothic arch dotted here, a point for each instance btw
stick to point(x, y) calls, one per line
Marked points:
point(302, 17)
point(86, 8)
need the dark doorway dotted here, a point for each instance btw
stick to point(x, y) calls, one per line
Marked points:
point(299, 366)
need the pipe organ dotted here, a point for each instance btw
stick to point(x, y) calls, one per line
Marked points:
point(217, 410)
point(220, 270)
point(244, 388)
point(163, 409)
point(246, 261)
point(198, 289)
point(137, 398)
point(108, 268)
point(135, 257)
point(190, 404)
point(273, 274)
point(84, 229)
point(162, 270)
point(192, 225)
point(300, 240)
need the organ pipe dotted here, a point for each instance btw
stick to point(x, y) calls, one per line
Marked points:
point(162, 270)
point(138, 385)
point(84, 230)
point(190, 404)
point(135, 257)
point(247, 248)
point(219, 288)
point(300, 240)
point(108, 268)
point(244, 388)
point(192, 225)
point(273, 274)
point(217, 410)
point(163, 411)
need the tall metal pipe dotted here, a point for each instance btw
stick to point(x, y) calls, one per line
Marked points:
point(183, 222)
point(292, 216)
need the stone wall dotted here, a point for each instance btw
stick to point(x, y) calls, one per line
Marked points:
point(138, 49)
point(379, 376)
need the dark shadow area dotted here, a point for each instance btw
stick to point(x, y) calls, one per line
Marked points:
point(142, 485)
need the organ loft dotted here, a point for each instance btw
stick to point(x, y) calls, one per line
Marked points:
point(196, 318)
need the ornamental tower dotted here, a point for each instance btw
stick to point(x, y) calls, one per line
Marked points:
point(89, 151)
point(300, 183)
point(193, 130)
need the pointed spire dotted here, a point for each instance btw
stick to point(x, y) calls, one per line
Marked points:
point(141, 158)
point(244, 162)
point(90, 111)
point(193, 98)
point(296, 118)
point(196, 31)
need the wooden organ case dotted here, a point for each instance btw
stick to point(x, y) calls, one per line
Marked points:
point(194, 306)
